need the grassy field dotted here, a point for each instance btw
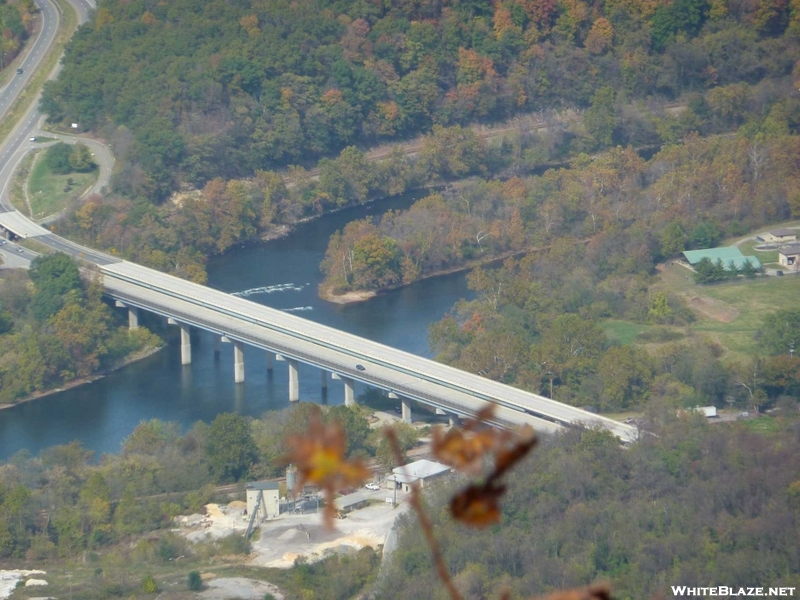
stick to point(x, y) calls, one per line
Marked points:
point(48, 192)
point(623, 332)
point(17, 191)
point(764, 256)
point(730, 313)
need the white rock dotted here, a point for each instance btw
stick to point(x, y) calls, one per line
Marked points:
point(34, 582)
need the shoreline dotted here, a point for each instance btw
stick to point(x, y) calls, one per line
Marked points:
point(354, 296)
point(73, 383)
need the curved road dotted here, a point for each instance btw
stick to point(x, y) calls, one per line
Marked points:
point(18, 143)
point(32, 55)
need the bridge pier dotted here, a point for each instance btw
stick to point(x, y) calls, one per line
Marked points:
point(453, 420)
point(217, 342)
point(186, 345)
point(323, 376)
point(294, 381)
point(186, 341)
point(133, 314)
point(238, 362)
point(349, 394)
point(133, 318)
point(269, 361)
point(406, 404)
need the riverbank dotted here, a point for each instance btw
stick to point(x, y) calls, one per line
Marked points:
point(354, 296)
point(74, 383)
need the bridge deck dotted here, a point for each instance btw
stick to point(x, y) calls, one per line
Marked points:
point(19, 224)
point(386, 367)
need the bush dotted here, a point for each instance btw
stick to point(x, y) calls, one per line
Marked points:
point(233, 544)
point(195, 581)
point(57, 157)
point(149, 585)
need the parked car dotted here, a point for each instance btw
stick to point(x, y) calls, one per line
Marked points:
point(372, 486)
point(32, 139)
point(398, 410)
point(779, 273)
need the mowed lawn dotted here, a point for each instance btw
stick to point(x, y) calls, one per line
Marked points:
point(49, 192)
point(731, 313)
point(623, 332)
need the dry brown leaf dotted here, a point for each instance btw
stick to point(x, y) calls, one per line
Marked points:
point(319, 455)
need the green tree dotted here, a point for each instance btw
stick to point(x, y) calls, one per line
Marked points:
point(230, 449)
point(354, 423)
point(627, 372)
point(58, 158)
point(195, 582)
point(673, 239)
point(81, 158)
point(56, 278)
point(600, 118)
point(780, 332)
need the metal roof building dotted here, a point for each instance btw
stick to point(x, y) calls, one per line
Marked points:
point(726, 254)
point(420, 470)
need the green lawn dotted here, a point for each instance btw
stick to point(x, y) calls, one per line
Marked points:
point(48, 192)
point(733, 311)
point(623, 332)
point(730, 313)
point(764, 256)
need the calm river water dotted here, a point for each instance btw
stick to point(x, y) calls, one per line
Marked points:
point(283, 274)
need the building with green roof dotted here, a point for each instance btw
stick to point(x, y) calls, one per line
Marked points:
point(727, 254)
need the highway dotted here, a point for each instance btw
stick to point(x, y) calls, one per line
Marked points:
point(409, 376)
point(32, 55)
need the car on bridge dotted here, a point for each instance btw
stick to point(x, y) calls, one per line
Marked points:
point(361, 367)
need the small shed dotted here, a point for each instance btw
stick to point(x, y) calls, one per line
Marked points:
point(778, 236)
point(789, 256)
point(422, 471)
point(262, 500)
point(344, 504)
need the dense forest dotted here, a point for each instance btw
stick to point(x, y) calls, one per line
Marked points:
point(192, 90)
point(16, 18)
point(692, 505)
point(632, 213)
point(54, 326)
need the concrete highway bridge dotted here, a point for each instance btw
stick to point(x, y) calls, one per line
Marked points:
point(349, 358)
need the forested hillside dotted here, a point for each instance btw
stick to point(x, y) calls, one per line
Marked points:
point(190, 90)
point(694, 505)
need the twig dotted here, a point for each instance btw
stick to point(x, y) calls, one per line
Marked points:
point(424, 521)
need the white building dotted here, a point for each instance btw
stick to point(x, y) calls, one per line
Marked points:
point(421, 471)
point(268, 507)
point(789, 256)
point(779, 236)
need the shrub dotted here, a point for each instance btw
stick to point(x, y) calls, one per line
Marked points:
point(195, 581)
point(149, 585)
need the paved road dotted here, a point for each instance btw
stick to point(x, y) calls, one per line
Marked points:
point(33, 54)
point(19, 143)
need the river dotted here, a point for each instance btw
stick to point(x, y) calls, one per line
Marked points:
point(283, 274)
